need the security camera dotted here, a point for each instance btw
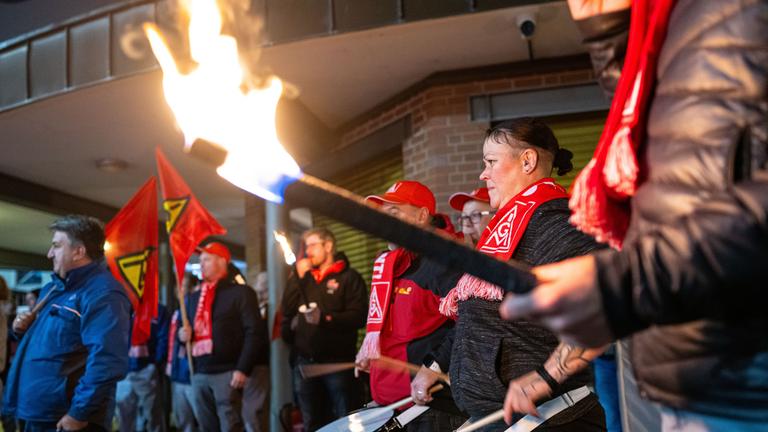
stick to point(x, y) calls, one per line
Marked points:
point(526, 23)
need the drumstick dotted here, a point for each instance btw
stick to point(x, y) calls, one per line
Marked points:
point(490, 418)
point(395, 364)
point(405, 401)
point(313, 370)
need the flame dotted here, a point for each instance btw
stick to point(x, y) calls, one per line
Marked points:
point(212, 103)
point(282, 240)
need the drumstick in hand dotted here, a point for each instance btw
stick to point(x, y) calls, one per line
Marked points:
point(399, 365)
point(313, 370)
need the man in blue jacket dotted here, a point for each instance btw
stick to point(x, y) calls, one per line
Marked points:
point(74, 346)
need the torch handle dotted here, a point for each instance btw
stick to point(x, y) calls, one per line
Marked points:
point(355, 211)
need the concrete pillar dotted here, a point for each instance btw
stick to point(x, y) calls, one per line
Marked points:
point(280, 371)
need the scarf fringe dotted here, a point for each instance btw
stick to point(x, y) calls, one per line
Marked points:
point(202, 347)
point(620, 170)
point(589, 206)
point(468, 287)
point(370, 347)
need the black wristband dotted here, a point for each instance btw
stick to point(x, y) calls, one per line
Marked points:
point(551, 382)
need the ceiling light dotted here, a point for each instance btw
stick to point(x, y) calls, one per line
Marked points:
point(111, 165)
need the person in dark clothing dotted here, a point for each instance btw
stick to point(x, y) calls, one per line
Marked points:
point(403, 317)
point(327, 332)
point(689, 281)
point(229, 338)
point(484, 354)
point(139, 396)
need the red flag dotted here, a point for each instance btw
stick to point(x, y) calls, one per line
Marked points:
point(188, 222)
point(131, 253)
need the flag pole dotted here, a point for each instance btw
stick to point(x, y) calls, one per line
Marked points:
point(184, 317)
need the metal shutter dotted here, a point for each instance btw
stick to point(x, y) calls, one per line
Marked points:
point(579, 135)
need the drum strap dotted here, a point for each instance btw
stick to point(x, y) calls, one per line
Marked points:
point(411, 413)
point(550, 409)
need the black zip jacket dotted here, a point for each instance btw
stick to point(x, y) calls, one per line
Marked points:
point(343, 303)
point(240, 336)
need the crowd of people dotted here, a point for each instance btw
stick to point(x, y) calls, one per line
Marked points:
point(680, 268)
point(75, 369)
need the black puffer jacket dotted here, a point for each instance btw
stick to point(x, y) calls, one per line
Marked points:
point(698, 242)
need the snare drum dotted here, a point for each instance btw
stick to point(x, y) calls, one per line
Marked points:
point(364, 420)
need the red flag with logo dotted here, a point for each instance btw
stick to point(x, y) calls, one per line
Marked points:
point(131, 253)
point(188, 222)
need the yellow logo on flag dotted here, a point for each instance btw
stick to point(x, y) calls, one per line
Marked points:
point(133, 268)
point(175, 208)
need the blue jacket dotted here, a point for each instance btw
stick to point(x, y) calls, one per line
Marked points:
point(74, 353)
point(157, 345)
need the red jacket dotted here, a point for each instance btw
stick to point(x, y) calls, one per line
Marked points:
point(413, 326)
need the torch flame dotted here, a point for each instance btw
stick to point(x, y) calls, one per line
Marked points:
point(290, 258)
point(212, 103)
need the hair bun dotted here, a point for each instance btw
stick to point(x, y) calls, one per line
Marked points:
point(563, 161)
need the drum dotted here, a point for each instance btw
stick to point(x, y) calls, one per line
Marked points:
point(365, 420)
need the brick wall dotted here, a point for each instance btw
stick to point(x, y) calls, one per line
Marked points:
point(444, 150)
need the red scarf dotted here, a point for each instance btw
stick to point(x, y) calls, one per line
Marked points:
point(202, 342)
point(601, 192)
point(171, 342)
point(500, 239)
point(336, 267)
point(387, 267)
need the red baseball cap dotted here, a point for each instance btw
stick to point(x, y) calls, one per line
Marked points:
point(217, 249)
point(407, 192)
point(457, 200)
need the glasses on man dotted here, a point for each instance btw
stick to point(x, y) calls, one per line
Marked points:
point(473, 217)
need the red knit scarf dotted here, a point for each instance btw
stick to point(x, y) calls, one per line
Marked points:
point(601, 192)
point(202, 343)
point(171, 342)
point(387, 267)
point(500, 239)
point(336, 267)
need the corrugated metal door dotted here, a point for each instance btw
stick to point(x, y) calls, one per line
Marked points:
point(579, 135)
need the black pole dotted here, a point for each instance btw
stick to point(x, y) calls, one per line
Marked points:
point(347, 207)
point(352, 209)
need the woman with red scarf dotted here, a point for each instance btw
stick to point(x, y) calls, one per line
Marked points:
point(531, 225)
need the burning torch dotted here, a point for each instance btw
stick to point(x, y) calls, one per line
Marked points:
point(290, 259)
point(233, 128)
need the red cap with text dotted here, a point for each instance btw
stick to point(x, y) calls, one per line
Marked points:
point(407, 192)
point(457, 200)
point(218, 249)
